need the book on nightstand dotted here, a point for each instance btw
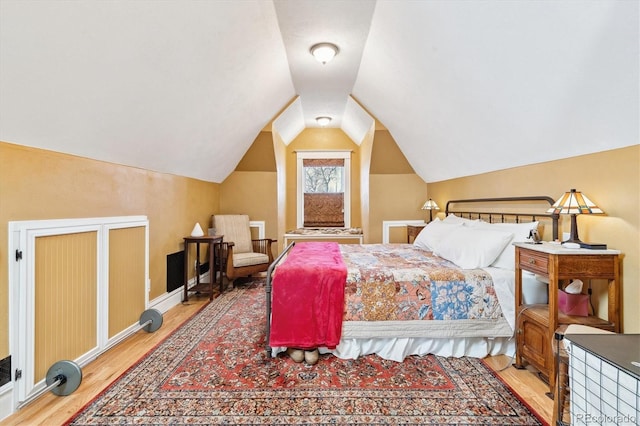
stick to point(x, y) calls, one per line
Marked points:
point(593, 246)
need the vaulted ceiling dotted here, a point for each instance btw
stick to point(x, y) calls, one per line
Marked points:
point(185, 86)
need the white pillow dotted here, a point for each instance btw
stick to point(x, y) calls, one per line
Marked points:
point(432, 233)
point(472, 248)
point(520, 230)
point(452, 218)
point(507, 259)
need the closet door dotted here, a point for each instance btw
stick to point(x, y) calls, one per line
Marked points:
point(65, 290)
point(127, 277)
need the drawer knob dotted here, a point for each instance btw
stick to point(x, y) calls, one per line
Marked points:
point(532, 261)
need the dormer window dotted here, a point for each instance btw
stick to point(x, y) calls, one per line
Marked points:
point(324, 189)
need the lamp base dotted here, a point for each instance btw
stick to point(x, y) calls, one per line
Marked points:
point(592, 246)
point(573, 238)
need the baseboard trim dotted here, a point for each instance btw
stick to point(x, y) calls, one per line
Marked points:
point(6, 401)
point(168, 300)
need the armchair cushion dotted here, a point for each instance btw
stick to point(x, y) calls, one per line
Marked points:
point(249, 259)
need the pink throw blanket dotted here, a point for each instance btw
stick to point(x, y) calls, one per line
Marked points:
point(308, 297)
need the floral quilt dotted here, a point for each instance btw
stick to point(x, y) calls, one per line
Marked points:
point(398, 282)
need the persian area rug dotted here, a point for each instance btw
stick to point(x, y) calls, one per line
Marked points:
point(214, 370)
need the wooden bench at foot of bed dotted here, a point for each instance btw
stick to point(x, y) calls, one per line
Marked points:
point(339, 235)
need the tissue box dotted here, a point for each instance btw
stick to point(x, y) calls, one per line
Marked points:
point(573, 304)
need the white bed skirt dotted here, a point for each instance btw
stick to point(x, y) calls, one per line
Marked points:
point(397, 349)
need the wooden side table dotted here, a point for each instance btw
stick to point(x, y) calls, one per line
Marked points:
point(537, 324)
point(413, 231)
point(201, 287)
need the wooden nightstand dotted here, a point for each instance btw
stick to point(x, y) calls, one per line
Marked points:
point(536, 324)
point(201, 287)
point(413, 231)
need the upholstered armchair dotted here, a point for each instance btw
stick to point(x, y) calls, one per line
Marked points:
point(240, 255)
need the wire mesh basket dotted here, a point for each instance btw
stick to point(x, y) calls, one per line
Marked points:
point(561, 412)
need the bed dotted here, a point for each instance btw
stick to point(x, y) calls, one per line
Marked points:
point(450, 293)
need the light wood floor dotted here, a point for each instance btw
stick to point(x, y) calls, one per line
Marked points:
point(54, 410)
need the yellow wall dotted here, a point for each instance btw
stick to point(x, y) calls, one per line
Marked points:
point(260, 157)
point(252, 193)
point(386, 157)
point(251, 188)
point(37, 184)
point(397, 193)
point(395, 197)
point(611, 179)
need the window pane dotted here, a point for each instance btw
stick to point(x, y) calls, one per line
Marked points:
point(324, 179)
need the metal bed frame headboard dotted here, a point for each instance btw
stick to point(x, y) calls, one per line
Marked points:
point(501, 216)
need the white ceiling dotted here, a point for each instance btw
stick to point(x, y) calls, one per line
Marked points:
point(185, 86)
point(324, 88)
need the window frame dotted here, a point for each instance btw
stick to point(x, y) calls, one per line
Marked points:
point(323, 154)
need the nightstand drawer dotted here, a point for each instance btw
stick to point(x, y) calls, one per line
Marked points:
point(586, 266)
point(534, 261)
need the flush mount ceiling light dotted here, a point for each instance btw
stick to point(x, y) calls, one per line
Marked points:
point(324, 52)
point(323, 121)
